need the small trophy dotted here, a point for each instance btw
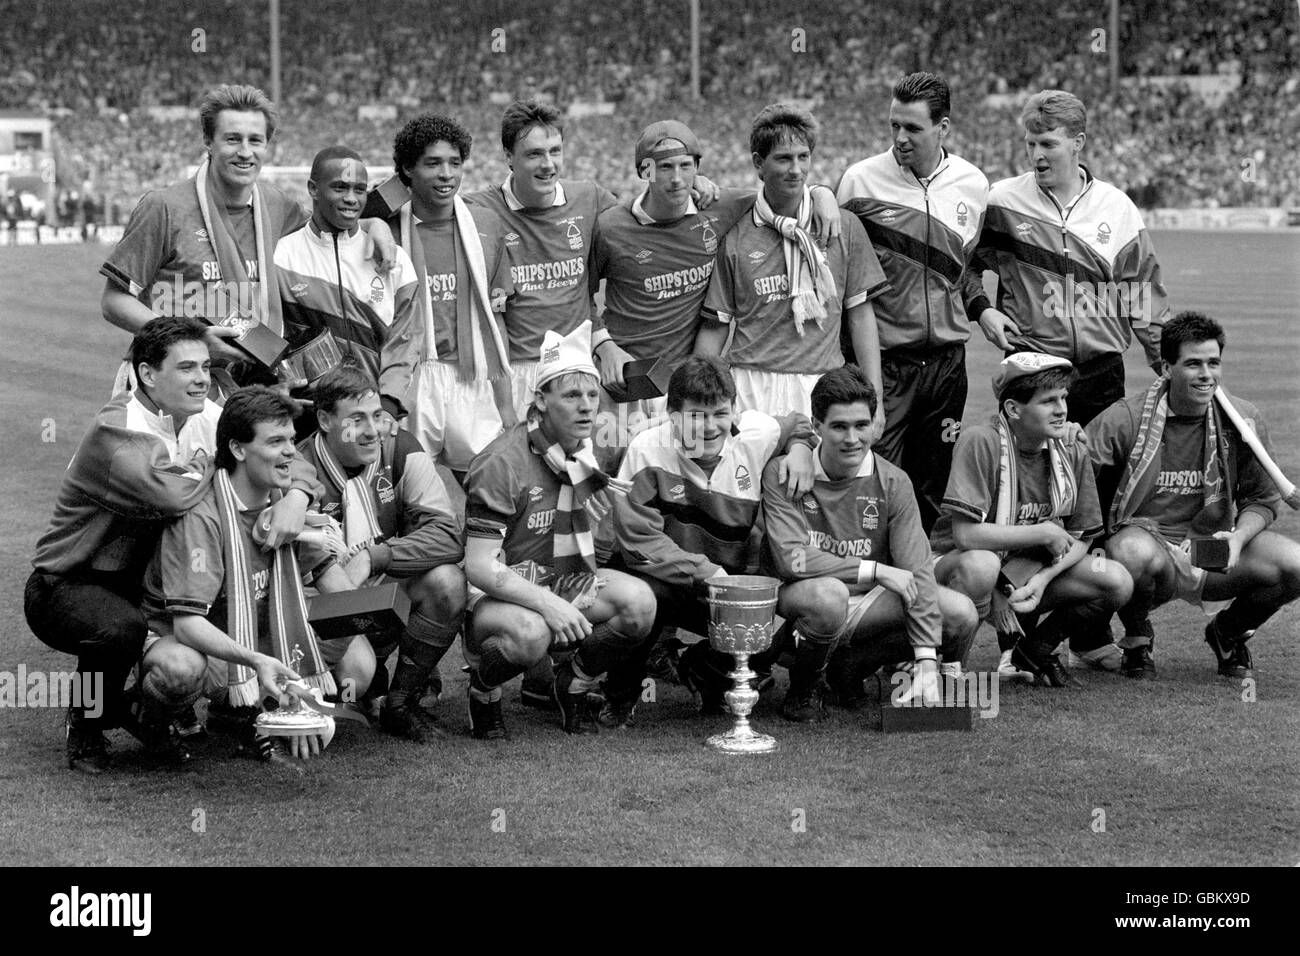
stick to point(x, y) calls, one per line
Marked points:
point(742, 616)
point(295, 720)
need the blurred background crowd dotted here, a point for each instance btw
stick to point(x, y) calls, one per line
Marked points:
point(107, 71)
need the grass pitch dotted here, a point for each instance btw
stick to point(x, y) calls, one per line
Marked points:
point(1180, 772)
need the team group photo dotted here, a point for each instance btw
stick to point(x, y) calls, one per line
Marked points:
point(700, 433)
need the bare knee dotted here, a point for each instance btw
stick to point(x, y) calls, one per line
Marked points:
point(959, 614)
point(1114, 584)
point(176, 671)
point(1140, 554)
point(976, 574)
point(439, 593)
point(634, 607)
point(821, 605)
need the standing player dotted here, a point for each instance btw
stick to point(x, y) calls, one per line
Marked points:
point(329, 288)
point(858, 532)
point(1018, 491)
point(534, 500)
point(142, 462)
point(449, 366)
point(922, 208)
point(548, 243)
point(1171, 466)
point(656, 255)
point(690, 515)
point(398, 524)
point(1076, 269)
point(205, 246)
point(776, 301)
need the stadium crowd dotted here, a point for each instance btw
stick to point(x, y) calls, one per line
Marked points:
point(98, 69)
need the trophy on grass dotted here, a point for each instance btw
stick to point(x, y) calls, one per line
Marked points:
point(295, 719)
point(742, 616)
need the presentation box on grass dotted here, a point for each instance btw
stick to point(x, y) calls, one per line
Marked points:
point(889, 719)
point(374, 610)
point(643, 378)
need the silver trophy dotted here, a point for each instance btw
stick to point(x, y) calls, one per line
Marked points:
point(296, 720)
point(742, 617)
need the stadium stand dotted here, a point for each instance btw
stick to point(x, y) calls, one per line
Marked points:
point(104, 70)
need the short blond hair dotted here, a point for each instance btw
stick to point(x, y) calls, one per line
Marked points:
point(1049, 109)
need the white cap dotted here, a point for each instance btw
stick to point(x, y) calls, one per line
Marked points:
point(566, 353)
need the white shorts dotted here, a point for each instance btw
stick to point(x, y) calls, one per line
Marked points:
point(523, 383)
point(775, 393)
point(859, 604)
point(453, 420)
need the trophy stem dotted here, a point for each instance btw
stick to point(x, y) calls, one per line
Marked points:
point(741, 738)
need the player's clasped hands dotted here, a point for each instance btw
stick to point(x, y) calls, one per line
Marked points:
point(1055, 539)
point(900, 581)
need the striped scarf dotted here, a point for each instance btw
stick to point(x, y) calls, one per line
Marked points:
point(809, 276)
point(222, 238)
point(479, 344)
point(360, 519)
point(288, 606)
point(583, 502)
point(1064, 492)
point(1141, 469)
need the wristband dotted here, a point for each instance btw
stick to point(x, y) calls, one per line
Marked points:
point(866, 572)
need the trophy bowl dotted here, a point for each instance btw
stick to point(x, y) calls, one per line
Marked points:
point(742, 618)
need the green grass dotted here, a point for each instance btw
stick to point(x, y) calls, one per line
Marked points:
point(1186, 772)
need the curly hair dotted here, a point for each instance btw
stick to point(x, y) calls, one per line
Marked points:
point(416, 136)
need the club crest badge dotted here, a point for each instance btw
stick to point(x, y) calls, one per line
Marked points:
point(743, 481)
point(962, 215)
point(710, 238)
point(384, 489)
point(573, 233)
point(377, 290)
point(871, 516)
point(1103, 233)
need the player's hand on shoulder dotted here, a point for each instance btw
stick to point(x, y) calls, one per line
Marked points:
point(795, 471)
point(826, 222)
point(705, 192)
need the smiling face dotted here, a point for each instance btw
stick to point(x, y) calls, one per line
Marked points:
point(537, 162)
point(1040, 418)
point(352, 431)
point(179, 385)
point(917, 140)
point(238, 146)
point(845, 438)
point(569, 408)
point(1194, 377)
point(701, 428)
point(264, 462)
point(338, 195)
point(1054, 157)
point(435, 177)
point(671, 179)
point(783, 172)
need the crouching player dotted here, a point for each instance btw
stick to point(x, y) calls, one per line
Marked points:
point(856, 541)
point(224, 615)
point(690, 514)
point(1170, 465)
point(398, 524)
point(1018, 510)
point(534, 499)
